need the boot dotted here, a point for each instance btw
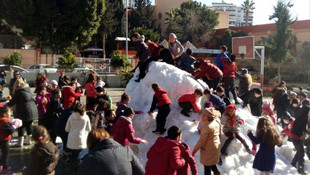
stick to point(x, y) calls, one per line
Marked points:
point(224, 148)
point(246, 146)
point(218, 173)
point(28, 140)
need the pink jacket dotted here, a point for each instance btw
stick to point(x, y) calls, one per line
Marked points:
point(42, 101)
point(122, 131)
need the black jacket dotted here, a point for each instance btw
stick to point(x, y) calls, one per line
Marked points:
point(26, 109)
point(165, 55)
point(110, 158)
point(300, 124)
point(143, 51)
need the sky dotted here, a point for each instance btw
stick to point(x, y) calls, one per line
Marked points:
point(264, 8)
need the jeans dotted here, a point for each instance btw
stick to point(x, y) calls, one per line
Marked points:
point(299, 156)
point(28, 126)
point(4, 146)
point(186, 106)
point(209, 168)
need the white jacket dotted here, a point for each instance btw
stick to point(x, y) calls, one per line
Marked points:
point(78, 128)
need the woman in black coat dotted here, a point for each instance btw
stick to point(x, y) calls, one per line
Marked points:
point(26, 109)
point(106, 156)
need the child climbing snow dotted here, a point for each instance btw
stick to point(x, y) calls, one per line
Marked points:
point(188, 102)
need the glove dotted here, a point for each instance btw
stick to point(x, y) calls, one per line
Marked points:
point(241, 122)
point(16, 123)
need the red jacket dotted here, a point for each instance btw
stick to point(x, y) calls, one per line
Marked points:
point(69, 96)
point(189, 97)
point(6, 129)
point(122, 131)
point(154, 49)
point(229, 68)
point(209, 70)
point(190, 163)
point(164, 158)
point(162, 97)
point(90, 90)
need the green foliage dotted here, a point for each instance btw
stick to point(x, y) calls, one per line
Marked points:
point(247, 7)
point(126, 76)
point(226, 39)
point(192, 22)
point(14, 59)
point(148, 33)
point(58, 24)
point(67, 61)
point(119, 61)
point(142, 15)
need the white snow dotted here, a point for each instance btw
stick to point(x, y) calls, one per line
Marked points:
point(176, 83)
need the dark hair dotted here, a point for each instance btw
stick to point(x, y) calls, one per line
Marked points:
point(40, 134)
point(198, 92)
point(95, 136)
point(128, 112)
point(197, 63)
point(161, 47)
point(55, 92)
point(80, 108)
point(4, 110)
point(40, 88)
point(99, 89)
point(108, 112)
point(135, 35)
point(189, 51)
point(232, 58)
point(103, 105)
point(223, 47)
point(155, 86)
point(258, 91)
point(124, 97)
point(207, 91)
point(91, 77)
point(174, 132)
point(74, 78)
point(99, 78)
point(219, 89)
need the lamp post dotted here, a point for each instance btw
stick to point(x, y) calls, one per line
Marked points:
point(127, 29)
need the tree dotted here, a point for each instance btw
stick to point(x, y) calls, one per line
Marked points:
point(14, 59)
point(226, 39)
point(192, 22)
point(148, 33)
point(67, 61)
point(142, 15)
point(120, 61)
point(59, 24)
point(247, 7)
point(280, 52)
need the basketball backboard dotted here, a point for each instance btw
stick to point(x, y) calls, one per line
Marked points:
point(243, 47)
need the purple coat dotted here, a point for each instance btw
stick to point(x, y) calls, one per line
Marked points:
point(42, 104)
point(122, 131)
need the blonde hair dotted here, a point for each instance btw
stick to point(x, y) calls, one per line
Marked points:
point(210, 113)
point(268, 131)
point(18, 83)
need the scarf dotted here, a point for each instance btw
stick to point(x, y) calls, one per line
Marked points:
point(231, 118)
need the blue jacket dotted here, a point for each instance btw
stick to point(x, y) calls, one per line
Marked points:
point(218, 61)
point(217, 101)
point(187, 63)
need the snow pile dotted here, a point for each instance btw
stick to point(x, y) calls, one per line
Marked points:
point(177, 82)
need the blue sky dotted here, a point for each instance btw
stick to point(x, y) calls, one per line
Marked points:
point(264, 8)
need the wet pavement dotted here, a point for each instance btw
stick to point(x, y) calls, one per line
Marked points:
point(19, 157)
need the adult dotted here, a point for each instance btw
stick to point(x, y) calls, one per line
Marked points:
point(165, 55)
point(143, 53)
point(217, 60)
point(26, 109)
point(165, 157)
point(106, 156)
point(16, 76)
point(209, 143)
point(213, 73)
point(69, 96)
point(299, 127)
point(154, 49)
point(281, 85)
point(90, 91)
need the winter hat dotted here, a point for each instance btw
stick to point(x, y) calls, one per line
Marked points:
point(172, 36)
point(244, 71)
point(99, 89)
point(267, 107)
point(211, 112)
point(208, 104)
point(54, 83)
point(295, 101)
point(62, 73)
point(229, 107)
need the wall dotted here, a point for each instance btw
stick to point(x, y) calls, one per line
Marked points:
point(223, 20)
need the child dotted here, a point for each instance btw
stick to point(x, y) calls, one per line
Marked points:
point(188, 61)
point(229, 75)
point(220, 93)
point(122, 130)
point(53, 85)
point(303, 96)
point(208, 104)
point(175, 47)
point(188, 102)
point(44, 155)
point(100, 82)
point(69, 96)
point(61, 80)
point(190, 163)
point(222, 54)
point(217, 102)
point(245, 83)
point(267, 136)
point(122, 105)
point(231, 122)
point(281, 102)
point(255, 100)
point(109, 116)
point(42, 100)
point(90, 91)
point(6, 131)
point(209, 143)
point(294, 108)
point(100, 113)
point(102, 95)
point(78, 127)
point(162, 102)
point(76, 85)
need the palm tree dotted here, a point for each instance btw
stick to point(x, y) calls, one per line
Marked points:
point(247, 7)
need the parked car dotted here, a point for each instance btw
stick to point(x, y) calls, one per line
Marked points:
point(8, 68)
point(79, 65)
point(84, 71)
point(306, 89)
point(40, 68)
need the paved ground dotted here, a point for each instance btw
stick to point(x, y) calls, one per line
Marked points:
point(19, 157)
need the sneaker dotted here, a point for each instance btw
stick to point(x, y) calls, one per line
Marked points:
point(185, 113)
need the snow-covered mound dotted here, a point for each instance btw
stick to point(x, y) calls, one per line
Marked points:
point(177, 82)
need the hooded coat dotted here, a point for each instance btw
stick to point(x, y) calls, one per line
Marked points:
point(175, 48)
point(26, 109)
point(143, 51)
point(123, 131)
point(43, 159)
point(209, 70)
point(244, 83)
point(190, 163)
point(110, 158)
point(164, 157)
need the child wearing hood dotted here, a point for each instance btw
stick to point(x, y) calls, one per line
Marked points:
point(231, 122)
point(175, 47)
point(244, 84)
point(162, 102)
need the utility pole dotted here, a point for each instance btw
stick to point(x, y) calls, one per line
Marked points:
point(127, 29)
